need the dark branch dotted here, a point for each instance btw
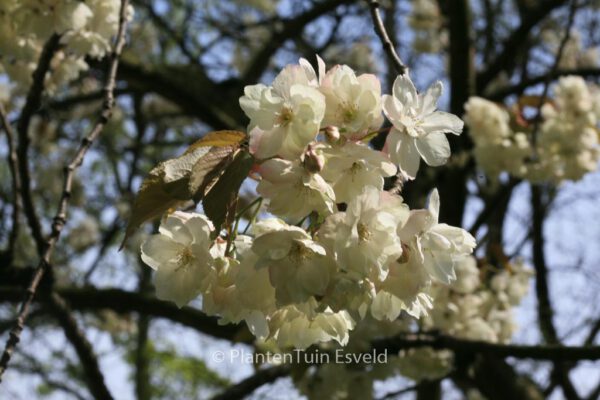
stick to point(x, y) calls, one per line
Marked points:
point(61, 215)
point(291, 28)
point(506, 59)
point(13, 164)
point(248, 385)
point(83, 348)
point(382, 33)
point(520, 87)
point(464, 346)
point(32, 104)
point(123, 302)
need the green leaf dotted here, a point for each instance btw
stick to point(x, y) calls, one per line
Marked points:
point(217, 202)
point(154, 198)
point(184, 178)
point(208, 169)
point(220, 139)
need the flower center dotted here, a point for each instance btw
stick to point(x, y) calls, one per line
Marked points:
point(363, 232)
point(412, 123)
point(299, 252)
point(349, 112)
point(285, 116)
point(185, 258)
point(356, 167)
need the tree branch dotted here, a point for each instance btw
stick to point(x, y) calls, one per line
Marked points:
point(507, 58)
point(248, 385)
point(291, 27)
point(520, 87)
point(13, 164)
point(60, 218)
point(123, 302)
point(465, 346)
point(32, 104)
point(83, 348)
point(387, 44)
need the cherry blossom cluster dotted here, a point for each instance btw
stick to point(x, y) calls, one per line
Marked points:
point(566, 140)
point(85, 29)
point(426, 21)
point(338, 248)
point(574, 53)
point(478, 305)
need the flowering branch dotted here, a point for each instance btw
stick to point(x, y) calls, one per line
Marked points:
point(387, 44)
point(465, 346)
point(47, 247)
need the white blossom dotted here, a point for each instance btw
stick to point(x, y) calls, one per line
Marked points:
point(353, 103)
point(418, 129)
point(363, 238)
point(298, 266)
point(284, 117)
point(180, 255)
point(437, 246)
point(293, 191)
point(299, 326)
point(351, 167)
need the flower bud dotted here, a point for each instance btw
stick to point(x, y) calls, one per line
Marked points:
point(312, 161)
point(332, 134)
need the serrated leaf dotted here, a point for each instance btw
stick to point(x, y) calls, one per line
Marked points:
point(152, 201)
point(219, 139)
point(217, 202)
point(181, 166)
point(208, 169)
point(184, 178)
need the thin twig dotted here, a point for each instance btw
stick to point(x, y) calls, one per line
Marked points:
point(492, 204)
point(83, 348)
point(32, 104)
point(248, 385)
point(13, 164)
point(387, 44)
point(60, 218)
point(44, 372)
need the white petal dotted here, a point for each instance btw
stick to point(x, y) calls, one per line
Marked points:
point(258, 325)
point(405, 91)
point(158, 250)
point(439, 264)
point(430, 98)
point(200, 228)
point(265, 144)
point(392, 109)
point(179, 284)
point(321, 66)
point(434, 148)
point(174, 227)
point(409, 157)
point(441, 122)
point(433, 204)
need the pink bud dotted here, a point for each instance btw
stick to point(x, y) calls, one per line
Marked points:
point(313, 162)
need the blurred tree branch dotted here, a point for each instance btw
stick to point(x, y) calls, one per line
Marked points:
point(46, 247)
